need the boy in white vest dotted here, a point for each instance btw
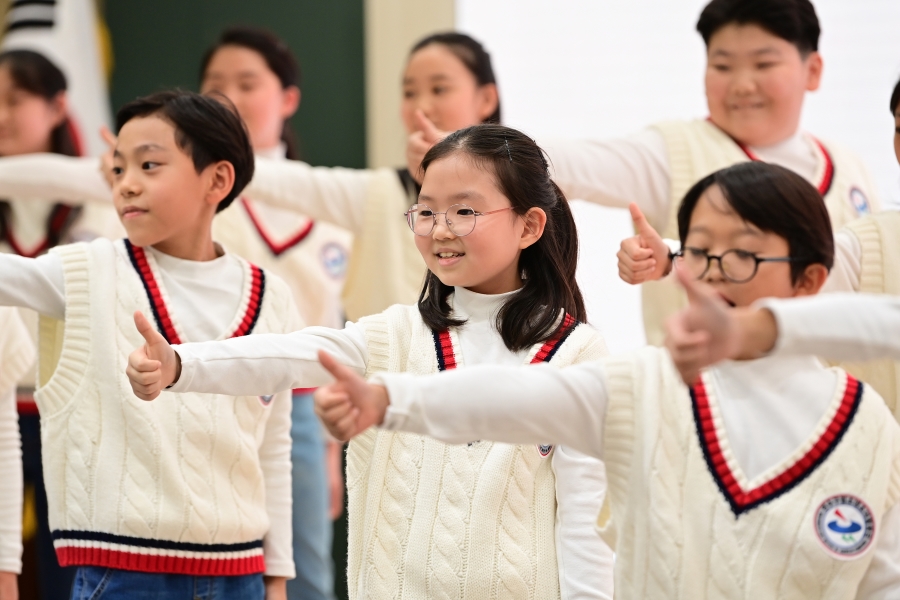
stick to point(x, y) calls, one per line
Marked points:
point(762, 58)
point(770, 478)
point(188, 497)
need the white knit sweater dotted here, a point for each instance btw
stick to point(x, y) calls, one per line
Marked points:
point(689, 513)
point(178, 485)
point(428, 520)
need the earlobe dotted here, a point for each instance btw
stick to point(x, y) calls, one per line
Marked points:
point(814, 76)
point(221, 181)
point(490, 100)
point(290, 101)
point(535, 221)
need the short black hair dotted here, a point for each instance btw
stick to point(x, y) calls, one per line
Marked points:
point(895, 99)
point(791, 20)
point(208, 128)
point(775, 200)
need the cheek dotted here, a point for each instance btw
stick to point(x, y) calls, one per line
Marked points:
point(897, 146)
point(716, 90)
point(456, 111)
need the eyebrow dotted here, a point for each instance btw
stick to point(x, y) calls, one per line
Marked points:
point(438, 77)
point(747, 231)
point(467, 195)
point(761, 52)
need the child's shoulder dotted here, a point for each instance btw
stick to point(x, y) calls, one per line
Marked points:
point(584, 343)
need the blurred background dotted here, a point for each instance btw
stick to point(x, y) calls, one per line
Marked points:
point(568, 68)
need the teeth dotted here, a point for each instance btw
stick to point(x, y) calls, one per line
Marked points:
point(448, 254)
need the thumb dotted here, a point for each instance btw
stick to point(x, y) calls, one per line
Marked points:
point(108, 136)
point(150, 335)
point(697, 292)
point(430, 133)
point(337, 370)
point(643, 228)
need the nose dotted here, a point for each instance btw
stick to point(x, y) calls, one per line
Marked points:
point(441, 229)
point(128, 186)
point(743, 83)
point(714, 273)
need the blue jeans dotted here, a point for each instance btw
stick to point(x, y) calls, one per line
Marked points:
point(312, 525)
point(102, 583)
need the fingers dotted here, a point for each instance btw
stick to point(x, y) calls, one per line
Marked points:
point(147, 331)
point(333, 407)
point(636, 263)
point(108, 137)
point(337, 370)
point(430, 133)
point(641, 225)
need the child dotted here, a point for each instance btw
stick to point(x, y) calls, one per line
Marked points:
point(190, 495)
point(427, 519)
point(762, 58)
point(258, 73)
point(771, 478)
point(16, 354)
point(448, 84)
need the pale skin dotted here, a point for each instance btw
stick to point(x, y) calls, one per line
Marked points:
point(440, 95)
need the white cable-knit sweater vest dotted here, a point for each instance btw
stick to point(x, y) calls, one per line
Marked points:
point(698, 148)
point(686, 524)
point(879, 238)
point(431, 520)
point(169, 486)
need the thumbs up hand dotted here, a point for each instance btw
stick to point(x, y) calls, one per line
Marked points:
point(644, 257)
point(350, 405)
point(420, 142)
point(155, 365)
point(106, 159)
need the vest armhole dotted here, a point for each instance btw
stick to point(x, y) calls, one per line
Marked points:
point(67, 345)
point(871, 276)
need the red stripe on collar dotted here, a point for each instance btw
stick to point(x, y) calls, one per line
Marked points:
point(275, 248)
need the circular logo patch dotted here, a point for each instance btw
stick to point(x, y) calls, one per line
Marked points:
point(845, 526)
point(859, 201)
point(266, 400)
point(545, 450)
point(334, 259)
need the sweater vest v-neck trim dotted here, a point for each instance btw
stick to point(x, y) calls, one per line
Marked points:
point(244, 322)
point(277, 248)
point(790, 471)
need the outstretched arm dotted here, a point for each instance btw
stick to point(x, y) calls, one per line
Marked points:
point(517, 405)
point(53, 178)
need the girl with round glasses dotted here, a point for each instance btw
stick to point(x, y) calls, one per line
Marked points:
point(477, 520)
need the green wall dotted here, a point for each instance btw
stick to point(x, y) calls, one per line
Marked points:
point(158, 45)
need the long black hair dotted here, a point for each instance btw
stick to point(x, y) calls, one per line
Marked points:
point(36, 74)
point(472, 54)
point(279, 59)
point(533, 313)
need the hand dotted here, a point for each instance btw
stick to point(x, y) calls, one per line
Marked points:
point(276, 587)
point(644, 257)
point(348, 406)
point(155, 365)
point(106, 159)
point(333, 454)
point(702, 334)
point(420, 142)
point(9, 586)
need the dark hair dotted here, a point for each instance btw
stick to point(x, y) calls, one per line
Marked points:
point(775, 200)
point(278, 57)
point(36, 74)
point(207, 128)
point(895, 99)
point(791, 20)
point(532, 314)
point(472, 54)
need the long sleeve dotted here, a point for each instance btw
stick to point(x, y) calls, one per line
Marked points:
point(275, 460)
point(838, 326)
point(503, 404)
point(11, 476)
point(882, 579)
point(268, 363)
point(332, 194)
point(615, 172)
point(35, 283)
point(53, 178)
point(585, 561)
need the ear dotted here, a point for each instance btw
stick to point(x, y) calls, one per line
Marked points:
point(220, 180)
point(488, 100)
point(59, 108)
point(535, 221)
point(811, 281)
point(290, 101)
point(814, 68)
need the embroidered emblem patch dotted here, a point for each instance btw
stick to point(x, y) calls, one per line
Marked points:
point(266, 400)
point(334, 259)
point(859, 201)
point(545, 450)
point(845, 526)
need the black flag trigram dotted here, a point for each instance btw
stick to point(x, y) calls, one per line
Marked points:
point(26, 14)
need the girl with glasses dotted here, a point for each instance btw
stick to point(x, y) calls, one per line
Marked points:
point(767, 478)
point(431, 520)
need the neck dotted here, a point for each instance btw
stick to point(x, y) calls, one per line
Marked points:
point(191, 246)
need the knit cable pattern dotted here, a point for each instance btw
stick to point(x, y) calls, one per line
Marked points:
point(515, 567)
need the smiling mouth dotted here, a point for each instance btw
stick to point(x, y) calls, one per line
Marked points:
point(449, 254)
point(132, 212)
